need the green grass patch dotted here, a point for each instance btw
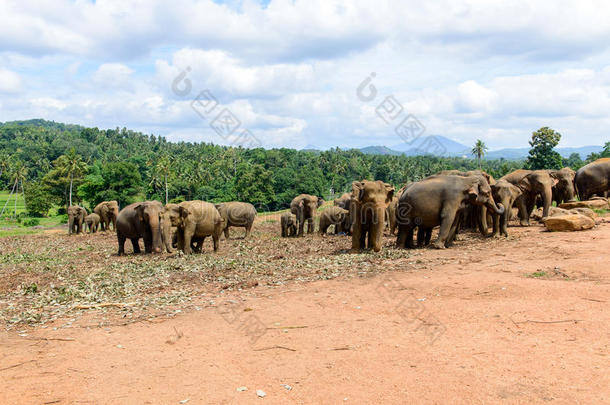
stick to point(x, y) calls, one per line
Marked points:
point(10, 207)
point(537, 274)
point(601, 211)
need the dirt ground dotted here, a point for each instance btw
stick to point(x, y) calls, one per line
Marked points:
point(518, 320)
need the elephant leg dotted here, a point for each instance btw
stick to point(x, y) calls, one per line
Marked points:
point(497, 221)
point(363, 234)
point(135, 244)
point(248, 230)
point(547, 199)
point(483, 226)
point(453, 232)
point(121, 240)
point(447, 222)
point(226, 231)
point(215, 239)
point(147, 242)
point(300, 220)
point(310, 225)
point(284, 231)
point(421, 237)
point(375, 235)
point(356, 237)
point(523, 216)
point(189, 231)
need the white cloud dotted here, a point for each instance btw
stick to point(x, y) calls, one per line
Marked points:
point(10, 82)
point(114, 75)
point(467, 69)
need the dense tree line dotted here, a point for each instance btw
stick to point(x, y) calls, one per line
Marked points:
point(128, 166)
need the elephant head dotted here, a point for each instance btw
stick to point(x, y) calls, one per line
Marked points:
point(564, 190)
point(149, 214)
point(480, 193)
point(76, 217)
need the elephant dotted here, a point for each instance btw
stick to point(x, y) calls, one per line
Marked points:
point(334, 216)
point(238, 214)
point(108, 212)
point(564, 190)
point(194, 221)
point(304, 206)
point(93, 222)
point(593, 179)
point(369, 202)
point(439, 200)
point(76, 218)
point(390, 213)
point(140, 220)
point(289, 224)
point(344, 202)
point(506, 194)
point(533, 183)
point(473, 216)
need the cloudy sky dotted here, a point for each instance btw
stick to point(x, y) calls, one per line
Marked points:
point(289, 71)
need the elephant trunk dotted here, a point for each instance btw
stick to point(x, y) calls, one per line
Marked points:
point(497, 209)
point(155, 228)
point(166, 235)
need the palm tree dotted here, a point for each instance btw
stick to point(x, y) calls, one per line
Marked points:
point(164, 168)
point(4, 163)
point(72, 166)
point(479, 150)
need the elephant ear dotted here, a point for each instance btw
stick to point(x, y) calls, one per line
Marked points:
point(184, 212)
point(357, 190)
point(140, 210)
point(525, 184)
point(389, 189)
point(554, 178)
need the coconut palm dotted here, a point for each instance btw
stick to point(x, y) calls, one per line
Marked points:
point(479, 151)
point(71, 166)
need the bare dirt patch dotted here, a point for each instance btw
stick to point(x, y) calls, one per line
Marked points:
point(517, 320)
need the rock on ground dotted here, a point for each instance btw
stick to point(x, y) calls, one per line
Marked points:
point(592, 204)
point(568, 223)
point(584, 211)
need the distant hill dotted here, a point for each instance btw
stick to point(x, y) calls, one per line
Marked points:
point(522, 153)
point(451, 148)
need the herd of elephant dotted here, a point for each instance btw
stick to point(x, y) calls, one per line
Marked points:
point(450, 199)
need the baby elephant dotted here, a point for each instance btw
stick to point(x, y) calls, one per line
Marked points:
point(337, 216)
point(92, 221)
point(289, 224)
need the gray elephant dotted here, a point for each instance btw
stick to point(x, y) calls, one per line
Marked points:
point(438, 200)
point(92, 221)
point(194, 221)
point(506, 194)
point(289, 224)
point(336, 216)
point(304, 206)
point(564, 190)
point(108, 212)
point(369, 202)
point(344, 202)
point(533, 184)
point(593, 179)
point(76, 219)
point(237, 214)
point(140, 220)
point(390, 214)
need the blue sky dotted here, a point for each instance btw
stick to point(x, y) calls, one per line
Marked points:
point(289, 70)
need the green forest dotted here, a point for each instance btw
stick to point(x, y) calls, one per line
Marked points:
point(46, 160)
